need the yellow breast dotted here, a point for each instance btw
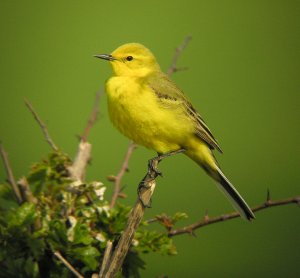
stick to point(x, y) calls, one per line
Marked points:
point(136, 111)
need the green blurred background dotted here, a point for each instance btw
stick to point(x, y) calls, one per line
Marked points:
point(243, 77)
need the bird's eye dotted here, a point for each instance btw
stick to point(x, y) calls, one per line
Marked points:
point(129, 58)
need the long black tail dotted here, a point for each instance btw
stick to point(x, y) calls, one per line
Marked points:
point(234, 197)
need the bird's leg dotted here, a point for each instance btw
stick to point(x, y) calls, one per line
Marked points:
point(153, 173)
point(152, 163)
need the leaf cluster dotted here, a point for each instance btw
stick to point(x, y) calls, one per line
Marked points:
point(73, 219)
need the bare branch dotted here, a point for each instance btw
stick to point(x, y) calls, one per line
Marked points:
point(92, 119)
point(26, 191)
point(10, 175)
point(134, 220)
point(146, 189)
point(173, 67)
point(83, 156)
point(208, 221)
point(106, 258)
point(67, 264)
point(42, 126)
point(118, 178)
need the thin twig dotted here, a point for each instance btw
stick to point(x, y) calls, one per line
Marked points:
point(208, 221)
point(10, 175)
point(83, 156)
point(42, 126)
point(123, 169)
point(67, 264)
point(106, 258)
point(173, 67)
point(92, 119)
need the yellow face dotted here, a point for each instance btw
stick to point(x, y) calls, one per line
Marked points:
point(132, 59)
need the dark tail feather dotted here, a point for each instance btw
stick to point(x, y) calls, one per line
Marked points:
point(235, 198)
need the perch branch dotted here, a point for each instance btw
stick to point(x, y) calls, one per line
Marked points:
point(67, 264)
point(42, 126)
point(173, 67)
point(10, 175)
point(118, 178)
point(134, 220)
point(146, 189)
point(207, 220)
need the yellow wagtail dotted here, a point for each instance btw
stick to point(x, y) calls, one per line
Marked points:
point(146, 106)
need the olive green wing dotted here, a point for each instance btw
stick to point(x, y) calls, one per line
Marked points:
point(164, 88)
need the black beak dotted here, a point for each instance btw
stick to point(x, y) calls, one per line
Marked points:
point(107, 57)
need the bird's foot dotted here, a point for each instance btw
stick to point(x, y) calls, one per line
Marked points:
point(152, 163)
point(152, 167)
point(152, 174)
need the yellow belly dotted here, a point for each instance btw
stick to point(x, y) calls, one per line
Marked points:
point(136, 111)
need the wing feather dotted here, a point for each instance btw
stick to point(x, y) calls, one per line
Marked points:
point(166, 89)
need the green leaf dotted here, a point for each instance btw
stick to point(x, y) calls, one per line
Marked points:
point(38, 177)
point(77, 223)
point(152, 241)
point(89, 255)
point(22, 216)
point(31, 268)
point(82, 234)
point(49, 173)
point(8, 200)
point(179, 216)
point(37, 246)
point(57, 237)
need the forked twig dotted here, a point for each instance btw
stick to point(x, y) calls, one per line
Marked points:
point(173, 67)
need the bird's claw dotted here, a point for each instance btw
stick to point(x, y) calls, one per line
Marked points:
point(152, 167)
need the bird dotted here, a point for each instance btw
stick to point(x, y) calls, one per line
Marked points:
point(149, 108)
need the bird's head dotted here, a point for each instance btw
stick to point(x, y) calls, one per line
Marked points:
point(132, 59)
